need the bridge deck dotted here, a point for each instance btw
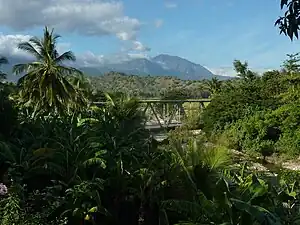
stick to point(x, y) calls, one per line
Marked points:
point(157, 126)
point(164, 101)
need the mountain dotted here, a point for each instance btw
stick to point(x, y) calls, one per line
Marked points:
point(183, 67)
point(161, 65)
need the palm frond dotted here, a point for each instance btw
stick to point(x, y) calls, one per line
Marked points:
point(110, 99)
point(36, 43)
point(45, 85)
point(29, 48)
point(66, 56)
point(68, 71)
point(3, 60)
point(216, 157)
point(94, 161)
point(26, 68)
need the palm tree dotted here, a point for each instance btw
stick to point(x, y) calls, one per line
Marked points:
point(83, 86)
point(3, 60)
point(46, 84)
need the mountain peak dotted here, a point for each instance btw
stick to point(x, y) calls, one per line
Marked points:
point(164, 57)
point(161, 65)
point(185, 67)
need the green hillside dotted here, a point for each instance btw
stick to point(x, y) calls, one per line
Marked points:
point(147, 86)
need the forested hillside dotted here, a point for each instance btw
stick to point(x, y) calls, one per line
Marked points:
point(148, 86)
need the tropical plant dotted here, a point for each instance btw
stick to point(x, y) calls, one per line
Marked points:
point(45, 85)
point(101, 165)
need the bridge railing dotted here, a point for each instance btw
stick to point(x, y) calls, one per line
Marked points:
point(166, 113)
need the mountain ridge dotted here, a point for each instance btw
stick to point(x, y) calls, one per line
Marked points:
point(160, 65)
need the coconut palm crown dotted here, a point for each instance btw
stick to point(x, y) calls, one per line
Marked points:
point(45, 84)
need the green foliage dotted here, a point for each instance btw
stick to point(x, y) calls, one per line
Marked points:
point(289, 23)
point(243, 97)
point(253, 134)
point(175, 94)
point(99, 165)
point(193, 120)
point(45, 85)
point(147, 86)
point(8, 113)
point(291, 65)
point(213, 86)
point(233, 104)
point(243, 70)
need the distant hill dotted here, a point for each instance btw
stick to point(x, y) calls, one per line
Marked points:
point(161, 65)
point(146, 86)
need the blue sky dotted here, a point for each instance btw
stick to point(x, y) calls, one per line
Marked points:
point(212, 33)
point(216, 34)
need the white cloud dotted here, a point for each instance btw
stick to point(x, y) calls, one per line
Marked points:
point(229, 71)
point(158, 23)
point(9, 46)
point(223, 71)
point(9, 49)
point(90, 59)
point(170, 5)
point(85, 17)
point(138, 46)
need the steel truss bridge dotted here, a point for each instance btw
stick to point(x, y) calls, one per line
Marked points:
point(167, 114)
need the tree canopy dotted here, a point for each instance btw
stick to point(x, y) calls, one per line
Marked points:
point(45, 82)
point(290, 21)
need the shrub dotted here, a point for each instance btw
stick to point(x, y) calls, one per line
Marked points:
point(287, 119)
point(253, 134)
point(289, 143)
point(236, 103)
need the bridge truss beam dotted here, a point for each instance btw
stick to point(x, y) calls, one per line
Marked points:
point(165, 114)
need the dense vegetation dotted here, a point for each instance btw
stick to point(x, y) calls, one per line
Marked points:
point(149, 86)
point(259, 114)
point(65, 161)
